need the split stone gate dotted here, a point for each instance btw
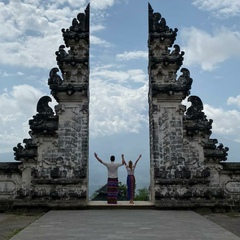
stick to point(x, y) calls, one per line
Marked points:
point(187, 167)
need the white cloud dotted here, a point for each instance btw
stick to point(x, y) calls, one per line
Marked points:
point(98, 41)
point(220, 8)
point(16, 108)
point(208, 50)
point(224, 122)
point(128, 76)
point(34, 52)
point(31, 31)
point(126, 56)
point(116, 108)
point(101, 4)
point(96, 28)
point(28, 36)
point(232, 100)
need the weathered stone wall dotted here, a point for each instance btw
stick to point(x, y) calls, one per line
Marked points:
point(186, 164)
point(230, 181)
point(10, 180)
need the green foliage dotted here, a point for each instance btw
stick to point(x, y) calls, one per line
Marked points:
point(93, 195)
point(122, 188)
point(142, 194)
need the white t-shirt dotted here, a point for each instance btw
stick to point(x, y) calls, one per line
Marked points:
point(112, 169)
point(130, 171)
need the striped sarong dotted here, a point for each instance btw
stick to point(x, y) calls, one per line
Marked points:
point(112, 190)
point(130, 187)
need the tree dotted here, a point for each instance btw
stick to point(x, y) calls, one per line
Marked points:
point(142, 194)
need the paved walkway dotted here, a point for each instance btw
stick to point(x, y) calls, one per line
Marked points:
point(112, 224)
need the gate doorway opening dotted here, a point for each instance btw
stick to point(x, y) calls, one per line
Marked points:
point(129, 144)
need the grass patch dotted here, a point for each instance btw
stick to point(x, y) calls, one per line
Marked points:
point(13, 233)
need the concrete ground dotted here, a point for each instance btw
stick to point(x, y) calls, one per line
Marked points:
point(121, 224)
point(12, 223)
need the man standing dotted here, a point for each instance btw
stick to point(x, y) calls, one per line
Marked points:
point(112, 185)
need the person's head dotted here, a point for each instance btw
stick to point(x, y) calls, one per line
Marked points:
point(130, 164)
point(112, 158)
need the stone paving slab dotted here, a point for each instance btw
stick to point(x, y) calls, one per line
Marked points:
point(126, 224)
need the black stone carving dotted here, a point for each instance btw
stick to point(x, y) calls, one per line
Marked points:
point(195, 110)
point(185, 81)
point(54, 79)
point(77, 36)
point(196, 123)
point(196, 127)
point(195, 120)
point(57, 85)
point(79, 28)
point(43, 108)
point(55, 173)
point(168, 59)
point(183, 84)
point(216, 155)
point(10, 167)
point(45, 122)
point(76, 194)
point(68, 58)
point(73, 63)
point(205, 172)
point(80, 173)
point(54, 194)
point(158, 28)
point(210, 144)
point(28, 152)
point(22, 193)
point(189, 193)
point(186, 173)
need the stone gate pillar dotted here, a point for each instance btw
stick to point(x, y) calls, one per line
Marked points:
point(72, 94)
point(165, 96)
point(185, 162)
point(55, 158)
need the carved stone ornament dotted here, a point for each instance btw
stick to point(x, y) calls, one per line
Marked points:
point(182, 85)
point(158, 28)
point(68, 58)
point(28, 152)
point(216, 155)
point(196, 121)
point(45, 122)
point(79, 28)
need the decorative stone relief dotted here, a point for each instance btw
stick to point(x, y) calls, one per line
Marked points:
point(233, 186)
point(7, 187)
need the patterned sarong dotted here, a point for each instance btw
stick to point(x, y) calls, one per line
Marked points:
point(131, 186)
point(112, 190)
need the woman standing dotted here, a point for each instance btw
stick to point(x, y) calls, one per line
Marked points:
point(131, 182)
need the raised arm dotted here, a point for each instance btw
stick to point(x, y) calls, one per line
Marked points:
point(137, 160)
point(123, 161)
point(96, 156)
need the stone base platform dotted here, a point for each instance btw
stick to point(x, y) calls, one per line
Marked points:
point(120, 204)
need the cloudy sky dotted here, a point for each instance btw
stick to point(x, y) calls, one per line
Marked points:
point(208, 32)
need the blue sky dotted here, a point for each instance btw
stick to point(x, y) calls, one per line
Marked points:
point(208, 32)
